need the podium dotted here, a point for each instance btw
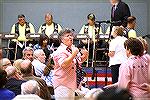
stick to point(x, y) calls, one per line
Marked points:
point(9, 36)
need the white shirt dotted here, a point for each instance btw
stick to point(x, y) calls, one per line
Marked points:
point(91, 31)
point(117, 45)
point(50, 29)
point(22, 36)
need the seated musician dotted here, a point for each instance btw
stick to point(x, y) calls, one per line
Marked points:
point(92, 29)
point(50, 27)
point(21, 28)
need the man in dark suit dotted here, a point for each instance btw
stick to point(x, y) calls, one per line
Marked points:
point(120, 12)
point(13, 83)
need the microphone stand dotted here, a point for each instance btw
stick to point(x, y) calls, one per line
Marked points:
point(94, 74)
point(107, 58)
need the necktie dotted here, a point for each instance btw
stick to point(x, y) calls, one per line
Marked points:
point(113, 10)
point(79, 72)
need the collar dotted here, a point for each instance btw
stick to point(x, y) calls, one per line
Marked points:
point(133, 56)
point(65, 46)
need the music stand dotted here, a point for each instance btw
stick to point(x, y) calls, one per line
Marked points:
point(54, 36)
point(81, 37)
point(34, 36)
point(9, 36)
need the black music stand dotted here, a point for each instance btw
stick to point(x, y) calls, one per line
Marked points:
point(9, 36)
point(106, 51)
point(34, 36)
point(54, 36)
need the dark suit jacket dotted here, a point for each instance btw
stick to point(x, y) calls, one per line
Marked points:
point(14, 85)
point(121, 14)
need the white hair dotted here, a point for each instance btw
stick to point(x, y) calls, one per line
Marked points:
point(37, 52)
point(30, 87)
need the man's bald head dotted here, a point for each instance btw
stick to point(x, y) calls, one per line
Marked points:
point(26, 67)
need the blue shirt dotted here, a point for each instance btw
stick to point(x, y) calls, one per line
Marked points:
point(6, 94)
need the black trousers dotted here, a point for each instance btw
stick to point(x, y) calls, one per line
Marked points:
point(115, 72)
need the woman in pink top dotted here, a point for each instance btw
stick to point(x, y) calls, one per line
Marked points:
point(134, 72)
point(66, 58)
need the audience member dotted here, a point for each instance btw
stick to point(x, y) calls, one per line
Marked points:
point(28, 53)
point(13, 83)
point(5, 94)
point(29, 90)
point(117, 52)
point(134, 72)
point(27, 71)
point(146, 86)
point(44, 44)
point(39, 67)
point(6, 63)
point(114, 94)
point(16, 64)
point(67, 61)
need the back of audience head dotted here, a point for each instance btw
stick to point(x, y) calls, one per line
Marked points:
point(134, 47)
point(145, 44)
point(30, 87)
point(118, 31)
point(3, 78)
point(131, 22)
point(114, 94)
point(16, 64)
point(26, 68)
point(28, 53)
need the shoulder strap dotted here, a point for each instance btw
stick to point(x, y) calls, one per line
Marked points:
point(55, 27)
point(27, 29)
point(86, 28)
point(17, 28)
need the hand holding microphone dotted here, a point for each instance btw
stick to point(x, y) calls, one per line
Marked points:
point(75, 50)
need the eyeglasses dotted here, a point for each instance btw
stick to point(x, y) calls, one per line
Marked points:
point(71, 35)
point(8, 64)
